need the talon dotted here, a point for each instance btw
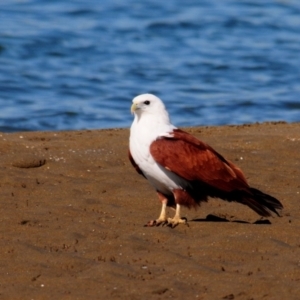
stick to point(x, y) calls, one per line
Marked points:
point(160, 222)
point(184, 219)
point(157, 222)
point(176, 221)
point(172, 225)
point(151, 223)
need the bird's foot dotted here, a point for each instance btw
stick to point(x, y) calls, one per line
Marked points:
point(157, 222)
point(173, 222)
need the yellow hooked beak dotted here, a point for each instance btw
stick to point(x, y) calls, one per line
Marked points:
point(134, 107)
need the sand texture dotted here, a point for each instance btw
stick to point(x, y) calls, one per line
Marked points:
point(73, 210)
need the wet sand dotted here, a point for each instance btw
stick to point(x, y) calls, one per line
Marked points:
point(73, 210)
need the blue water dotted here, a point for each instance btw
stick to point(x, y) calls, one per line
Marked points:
point(78, 64)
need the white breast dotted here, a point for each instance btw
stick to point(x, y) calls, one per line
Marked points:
point(141, 137)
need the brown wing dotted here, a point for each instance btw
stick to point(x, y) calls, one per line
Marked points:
point(194, 160)
point(134, 164)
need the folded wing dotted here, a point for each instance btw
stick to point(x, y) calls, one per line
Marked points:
point(194, 160)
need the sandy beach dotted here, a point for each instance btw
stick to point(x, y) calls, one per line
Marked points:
point(73, 210)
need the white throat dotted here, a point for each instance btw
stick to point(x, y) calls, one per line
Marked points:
point(150, 126)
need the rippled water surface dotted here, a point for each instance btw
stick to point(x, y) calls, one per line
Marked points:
point(77, 64)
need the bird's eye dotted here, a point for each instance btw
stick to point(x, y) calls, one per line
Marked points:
point(147, 102)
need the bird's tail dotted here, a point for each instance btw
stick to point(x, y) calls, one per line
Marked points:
point(262, 203)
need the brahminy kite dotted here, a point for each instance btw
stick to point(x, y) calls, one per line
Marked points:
point(182, 169)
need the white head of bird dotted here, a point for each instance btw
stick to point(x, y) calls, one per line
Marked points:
point(149, 108)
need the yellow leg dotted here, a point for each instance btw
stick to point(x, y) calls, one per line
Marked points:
point(173, 222)
point(162, 219)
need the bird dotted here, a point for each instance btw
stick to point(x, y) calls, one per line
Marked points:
point(183, 170)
